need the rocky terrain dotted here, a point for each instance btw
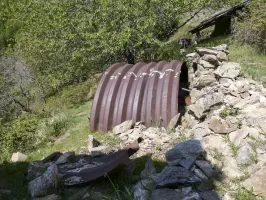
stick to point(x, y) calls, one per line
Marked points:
point(221, 142)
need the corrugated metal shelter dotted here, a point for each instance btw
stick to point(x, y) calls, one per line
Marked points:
point(140, 92)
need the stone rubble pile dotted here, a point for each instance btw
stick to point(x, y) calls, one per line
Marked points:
point(186, 167)
point(156, 140)
point(228, 116)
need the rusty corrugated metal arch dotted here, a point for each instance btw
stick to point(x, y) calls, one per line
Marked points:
point(140, 92)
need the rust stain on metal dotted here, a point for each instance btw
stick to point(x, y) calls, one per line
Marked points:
point(140, 92)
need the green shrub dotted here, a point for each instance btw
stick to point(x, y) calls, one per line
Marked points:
point(18, 135)
point(70, 96)
point(52, 127)
point(252, 26)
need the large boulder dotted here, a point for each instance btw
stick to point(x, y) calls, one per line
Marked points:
point(228, 70)
point(185, 150)
point(45, 184)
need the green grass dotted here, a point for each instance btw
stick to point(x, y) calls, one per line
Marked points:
point(244, 195)
point(75, 136)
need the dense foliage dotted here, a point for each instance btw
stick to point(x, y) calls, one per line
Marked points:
point(251, 29)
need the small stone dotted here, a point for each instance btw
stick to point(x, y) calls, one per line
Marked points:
point(262, 99)
point(18, 157)
point(149, 170)
point(140, 192)
point(49, 197)
point(36, 169)
point(237, 137)
point(187, 163)
point(125, 126)
point(200, 130)
point(92, 142)
point(192, 55)
point(210, 195)
point(45, 184)
point(66, 157)
point(209, 58)
point(227, 197)
point(203, 51)
point(204, 80)
point(200, 174)
point(221, 56)
point(256, 183)
point(228, 70)
point(207, 61)
point(174, 122)
point(222, 47)
point(230, 168)
point(100, 151)
point(173, 162)
point(221, 126)
point(206, 167)
point(244, 154)
point(171, 194)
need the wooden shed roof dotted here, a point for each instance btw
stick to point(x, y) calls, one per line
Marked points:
point(210, 21)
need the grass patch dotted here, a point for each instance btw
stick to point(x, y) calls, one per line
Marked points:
point(244, 195)
point(229, 111)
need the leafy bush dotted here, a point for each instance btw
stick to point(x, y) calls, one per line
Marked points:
point(18, 135)
point(70, 96)
point(251, 29)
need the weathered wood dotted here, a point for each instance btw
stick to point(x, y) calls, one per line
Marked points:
point(223, 14)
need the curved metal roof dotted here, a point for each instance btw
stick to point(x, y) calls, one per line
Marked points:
point(140, 92)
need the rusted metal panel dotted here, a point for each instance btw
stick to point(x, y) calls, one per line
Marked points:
point(109, 163)
point(140, 92)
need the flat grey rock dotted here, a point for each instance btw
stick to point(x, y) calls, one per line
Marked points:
point(185, 150)
point(171, 194)
point(175, 176)
point(210, 195)
point(206, 167)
